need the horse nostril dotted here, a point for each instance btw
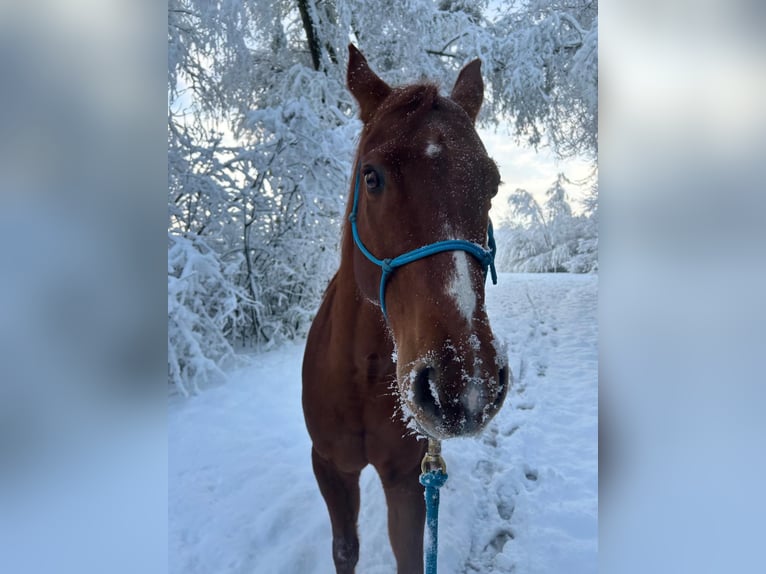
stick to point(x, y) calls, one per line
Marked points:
point(422, 390)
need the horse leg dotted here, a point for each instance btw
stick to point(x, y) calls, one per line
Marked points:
point(406, 518)
point(341, 494)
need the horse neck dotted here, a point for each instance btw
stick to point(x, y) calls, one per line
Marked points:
point(347, 246)
point(346, 279)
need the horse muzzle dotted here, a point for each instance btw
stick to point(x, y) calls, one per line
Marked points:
point(455, 396)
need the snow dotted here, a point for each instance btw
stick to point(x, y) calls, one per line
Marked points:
point(521, 497)
point(433, 149)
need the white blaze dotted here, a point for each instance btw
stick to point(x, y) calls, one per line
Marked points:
point(461, 289)
point(432, 150)
point(472, 398)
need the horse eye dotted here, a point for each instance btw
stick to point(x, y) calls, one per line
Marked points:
point(372, 180)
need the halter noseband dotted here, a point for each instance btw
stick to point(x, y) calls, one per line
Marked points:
point(486, 257)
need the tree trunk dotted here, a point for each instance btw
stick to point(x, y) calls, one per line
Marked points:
point(311, 35)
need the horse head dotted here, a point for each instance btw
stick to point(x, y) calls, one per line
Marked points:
point(423, 178)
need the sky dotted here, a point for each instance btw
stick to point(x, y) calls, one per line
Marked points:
point(523, 167)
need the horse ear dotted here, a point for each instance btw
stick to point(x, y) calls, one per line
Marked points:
point(469, 89)
point(367, 88)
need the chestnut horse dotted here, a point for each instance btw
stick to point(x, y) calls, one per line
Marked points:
point(402, 347)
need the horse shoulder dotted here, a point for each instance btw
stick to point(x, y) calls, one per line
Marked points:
point(332, 405)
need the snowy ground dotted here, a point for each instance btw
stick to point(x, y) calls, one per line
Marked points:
point(520, 498)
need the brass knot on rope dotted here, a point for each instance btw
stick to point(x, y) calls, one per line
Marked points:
point(433, 460)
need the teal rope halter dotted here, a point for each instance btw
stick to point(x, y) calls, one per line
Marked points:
point(486, 257)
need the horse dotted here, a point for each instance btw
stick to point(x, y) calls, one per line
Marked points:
point(401, 346)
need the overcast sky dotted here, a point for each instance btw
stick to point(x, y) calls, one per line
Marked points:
point(523, 167)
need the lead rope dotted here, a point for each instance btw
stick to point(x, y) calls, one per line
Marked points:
point(433, 476)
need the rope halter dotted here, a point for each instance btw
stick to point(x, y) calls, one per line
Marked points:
point(486, 257)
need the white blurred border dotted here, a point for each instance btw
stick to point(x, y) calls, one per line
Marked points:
point(82, 303)
point(682, 134)
point(83, 450)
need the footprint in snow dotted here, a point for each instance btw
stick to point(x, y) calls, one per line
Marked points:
point(485, 468)
point(531, 475)
point(498, 541)
point(505, 507)
point(490, 436)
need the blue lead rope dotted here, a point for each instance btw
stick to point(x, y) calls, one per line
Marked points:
point(486, 257)
point(433, 476)
point(433, 481)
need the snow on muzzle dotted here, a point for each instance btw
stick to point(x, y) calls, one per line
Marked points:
point(457, 390)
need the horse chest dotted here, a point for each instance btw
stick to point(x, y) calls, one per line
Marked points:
point(368, 392)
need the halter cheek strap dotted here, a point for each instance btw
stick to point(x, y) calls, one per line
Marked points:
point(486, 257)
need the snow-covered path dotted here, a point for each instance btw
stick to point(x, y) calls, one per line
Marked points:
point(520, 498)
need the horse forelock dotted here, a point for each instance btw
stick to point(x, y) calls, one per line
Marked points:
point(407, 103)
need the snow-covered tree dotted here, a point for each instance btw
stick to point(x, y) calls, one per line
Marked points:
point(585, 258)
point(546, 69)
point(261, 132)
point(203, 311)
point(549, 238)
